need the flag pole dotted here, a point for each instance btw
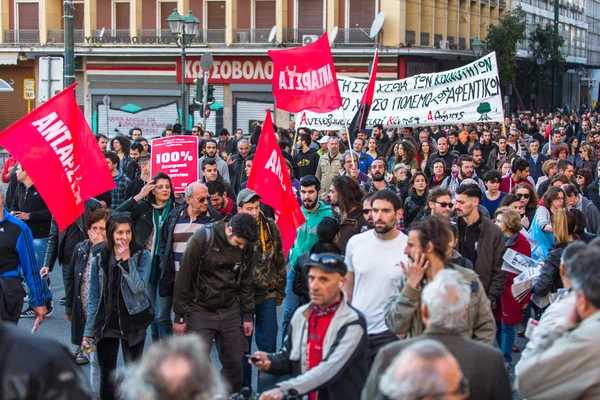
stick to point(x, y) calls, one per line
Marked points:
point(351, 145)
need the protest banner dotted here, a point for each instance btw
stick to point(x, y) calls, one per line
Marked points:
point(304, 78)
point(56, 147)
point(176, 156)
point(466, 94)
point(269, 178)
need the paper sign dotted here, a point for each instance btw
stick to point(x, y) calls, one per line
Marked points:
point(176, 156)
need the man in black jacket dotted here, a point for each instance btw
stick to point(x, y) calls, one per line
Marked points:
point(443, 153)
point(307, 159)
point(335, 368)
point(212, 287)
point(237, 168)
point(61, 245)
point(29, 207)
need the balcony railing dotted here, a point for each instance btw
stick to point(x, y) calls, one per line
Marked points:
point(58, 36)
point(353, 36)
point(301, 36)
point(151, 36)
point(111, 36)
point(247, 36)
point(22, 36)
point(208, 36)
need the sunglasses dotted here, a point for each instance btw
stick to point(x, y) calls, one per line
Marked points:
point(523, 195)
point(326, 259)
point(203, 199)
point(443, 204)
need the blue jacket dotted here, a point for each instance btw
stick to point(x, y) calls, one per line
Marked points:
point(17, 256)
point(535, 168)
point(133, 288)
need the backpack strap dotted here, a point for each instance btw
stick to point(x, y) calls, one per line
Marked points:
point(209, 231)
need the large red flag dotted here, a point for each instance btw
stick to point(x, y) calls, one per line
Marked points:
point(56, 147)
point(270, 179)
point(304, 78)
point(359, 121)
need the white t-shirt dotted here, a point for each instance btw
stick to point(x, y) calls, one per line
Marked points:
point(376, 267)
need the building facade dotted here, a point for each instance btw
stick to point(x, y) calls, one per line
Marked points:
point(129, 69)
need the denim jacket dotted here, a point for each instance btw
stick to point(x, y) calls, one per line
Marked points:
point(133, 285)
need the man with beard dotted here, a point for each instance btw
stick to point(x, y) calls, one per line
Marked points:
point(220, 200)
point(211, 174)
point(211, 152)
point(479, 166)
point(503, 153)
point(440, 203)
point(465, 171)
point(132, 170)
point(237, 169)
point(372, 258)
point(378, 173)
point(443, 153)
point(368, 211)
point(330, 165)
point(314, 211)
point(486, 145)
point(383, 141)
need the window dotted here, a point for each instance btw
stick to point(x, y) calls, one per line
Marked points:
point(27, 16)
point(165, 8)
point(310, 14)
point(264, 14)
point(360, 12)
point(215, 15)
point(120, 19)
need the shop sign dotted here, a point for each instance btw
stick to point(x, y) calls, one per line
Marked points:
point(229, 70)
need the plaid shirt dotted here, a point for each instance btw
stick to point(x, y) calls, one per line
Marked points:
point(118, 193)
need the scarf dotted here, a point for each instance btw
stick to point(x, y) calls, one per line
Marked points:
point(158, 218)
point(321, 312)
point(419, 200)
point(265, 236)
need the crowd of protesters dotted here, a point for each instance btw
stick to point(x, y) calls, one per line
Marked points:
point(395, 287)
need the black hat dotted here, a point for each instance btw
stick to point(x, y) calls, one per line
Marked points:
point(328, 262)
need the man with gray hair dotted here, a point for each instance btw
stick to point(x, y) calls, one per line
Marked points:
point(175, 368)
point(330, 165)
point(444, 302)
point(179, 226)
point(353, 169)
point(424, 370)
point(237, 165)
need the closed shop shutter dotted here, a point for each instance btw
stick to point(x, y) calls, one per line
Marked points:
point(362, 12)
point(13, 105)
point(166, 8)
point(151, 113)
point(310, 14)
point(215, 16)
point(264, 14)
point(79, 96)
point(121, 15)
point(28, 16)
point(250, 107)
point(211, 122)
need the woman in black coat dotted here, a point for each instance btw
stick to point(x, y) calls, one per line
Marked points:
point(77, 281)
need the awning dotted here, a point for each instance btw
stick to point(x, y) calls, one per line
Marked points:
point(9, 58)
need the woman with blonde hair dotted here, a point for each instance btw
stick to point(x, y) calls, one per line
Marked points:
point(586, 161)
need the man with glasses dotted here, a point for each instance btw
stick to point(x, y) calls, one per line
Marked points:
point(326, 349)
point(351, 168)
point(439, 203)
point(178, 228)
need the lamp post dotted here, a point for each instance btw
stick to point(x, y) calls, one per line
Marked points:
point(185, 29)
point(540, 60)
point(580, 72)
point(477, 47)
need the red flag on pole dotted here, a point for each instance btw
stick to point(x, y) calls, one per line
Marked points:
point(270, 179)
point(304, 78)
point(56, 147)
point(359, 121)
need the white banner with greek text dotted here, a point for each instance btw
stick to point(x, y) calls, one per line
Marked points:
point(463, 95)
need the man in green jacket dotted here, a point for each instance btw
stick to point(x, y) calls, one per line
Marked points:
point(314, 211)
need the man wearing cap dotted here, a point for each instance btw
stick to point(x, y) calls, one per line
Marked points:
point(330, 165)
point(326, 350)
point(269, 278)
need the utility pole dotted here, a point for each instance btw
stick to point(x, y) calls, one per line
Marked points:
point(555, 51)
point(69, 58)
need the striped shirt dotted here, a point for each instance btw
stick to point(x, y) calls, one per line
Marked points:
point(184, 229)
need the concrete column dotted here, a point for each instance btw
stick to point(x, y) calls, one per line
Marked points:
point(230, 21)
point(227, 108)
point(183, 6)
point(89, 17)
point(333, 14)
point(5, 17)
point(135, 17)
point(394, 26)
point(49, 18)
point(281, 13)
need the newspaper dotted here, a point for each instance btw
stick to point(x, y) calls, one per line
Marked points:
point(524, 282)
point(516, 262)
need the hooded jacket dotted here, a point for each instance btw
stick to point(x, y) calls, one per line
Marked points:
point(306, 163)
point(403, 310)
point(307, 232)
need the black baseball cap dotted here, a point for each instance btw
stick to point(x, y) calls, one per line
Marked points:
point(328, 262)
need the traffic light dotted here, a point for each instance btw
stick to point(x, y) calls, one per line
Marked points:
point(211, 94)
point(199, 91)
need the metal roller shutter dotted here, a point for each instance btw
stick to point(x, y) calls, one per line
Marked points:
point(215, 16)
point(211, 122)
point(310, 14)
point(264, 14)
point(150, 113)
point(362, 13)
point(13, 105)
point(247, 112)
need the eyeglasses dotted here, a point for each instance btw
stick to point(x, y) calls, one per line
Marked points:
point(203, 199)
point(326, 259)
point(523, 195)
point(443, 204)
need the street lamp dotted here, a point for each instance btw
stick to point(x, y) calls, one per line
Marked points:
point(540, 60)
point(580, 72)
point(477, 47)
point(185, 29)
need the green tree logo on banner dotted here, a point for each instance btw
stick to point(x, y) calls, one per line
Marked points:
point(484, 109)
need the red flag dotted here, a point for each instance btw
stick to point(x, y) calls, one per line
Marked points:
point(359, 121)
point(304, 78)
point(56, 147)
point(548, 130)
point(270, 179)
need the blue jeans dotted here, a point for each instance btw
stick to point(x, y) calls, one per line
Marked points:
point(290, 303)
point(94, 374)
point(39, 246)
point(505, 337)
point(265, 333)
point(162, 326)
